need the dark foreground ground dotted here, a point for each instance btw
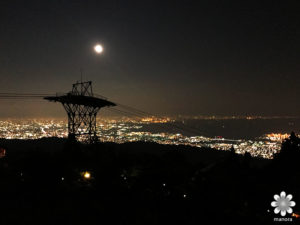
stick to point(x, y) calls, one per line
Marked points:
point(42, 182)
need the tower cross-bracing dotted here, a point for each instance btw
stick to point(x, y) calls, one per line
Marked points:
point(82, 107)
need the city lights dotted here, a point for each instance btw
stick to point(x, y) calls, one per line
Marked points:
point(132, 130)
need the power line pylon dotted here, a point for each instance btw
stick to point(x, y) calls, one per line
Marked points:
point(82, 107)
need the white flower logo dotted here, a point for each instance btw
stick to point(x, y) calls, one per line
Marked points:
point(283, 204)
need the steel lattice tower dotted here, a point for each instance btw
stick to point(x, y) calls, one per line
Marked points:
point(82, 107)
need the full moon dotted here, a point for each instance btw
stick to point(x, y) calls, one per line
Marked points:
point(98, 48)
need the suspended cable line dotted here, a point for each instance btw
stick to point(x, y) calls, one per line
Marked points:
point(126, 110)
point(137, 113)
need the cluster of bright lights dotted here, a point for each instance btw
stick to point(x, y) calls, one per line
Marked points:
point(131, 130)
point(277, 136)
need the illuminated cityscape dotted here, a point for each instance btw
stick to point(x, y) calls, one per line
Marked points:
point(149, 112)
point(131, 130)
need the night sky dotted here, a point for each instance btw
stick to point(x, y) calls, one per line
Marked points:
point(165, 57)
